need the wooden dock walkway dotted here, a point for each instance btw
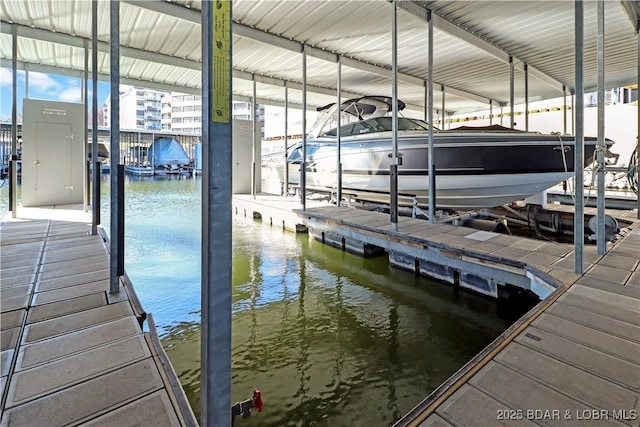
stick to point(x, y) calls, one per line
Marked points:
point(573, 360)
point(72, 354)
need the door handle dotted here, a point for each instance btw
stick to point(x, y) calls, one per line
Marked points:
point(69, 188)
point(36, 162)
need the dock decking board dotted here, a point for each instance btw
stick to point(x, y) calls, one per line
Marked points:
point(71, 352)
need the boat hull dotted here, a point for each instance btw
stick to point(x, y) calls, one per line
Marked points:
point(478, 172)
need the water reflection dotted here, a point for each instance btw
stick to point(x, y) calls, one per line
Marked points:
point(331, 339)
point(334, 339)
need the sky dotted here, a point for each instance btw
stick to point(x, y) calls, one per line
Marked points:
point(44, 86)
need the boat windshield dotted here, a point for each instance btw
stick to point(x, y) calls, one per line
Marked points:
point(379, 124)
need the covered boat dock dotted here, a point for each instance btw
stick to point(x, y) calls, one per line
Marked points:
point(442, 58)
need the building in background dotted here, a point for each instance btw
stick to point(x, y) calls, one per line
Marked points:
point(140, 108)
point(147, 109)
point(186, 113)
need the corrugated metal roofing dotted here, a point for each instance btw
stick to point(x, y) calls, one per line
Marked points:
point(163, 42)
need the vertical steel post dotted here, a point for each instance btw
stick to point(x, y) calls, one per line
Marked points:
point(95, 205)
point(573, 111)
point(85, 101)
point(215, 370)
point(254, 107)
point(578, 162)
point(303, 166)
point(444, 114)
point(491, 111)
point(426, 100)
point(116, 203)
point(601, 237)
point(512, 88)
point(526, 97)
point(393, 167)
point(564, 108)
point(339, 135)
point(13, 178)
point(431, 150)
point(286, 137)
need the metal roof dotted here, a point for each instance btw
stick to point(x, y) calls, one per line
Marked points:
point(473, 42)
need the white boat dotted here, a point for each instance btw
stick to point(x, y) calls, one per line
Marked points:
point(476, 167)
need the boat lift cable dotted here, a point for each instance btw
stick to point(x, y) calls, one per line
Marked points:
point(597, 167)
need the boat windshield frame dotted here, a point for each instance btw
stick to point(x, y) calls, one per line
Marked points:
point(378, 124)
point(360, 116)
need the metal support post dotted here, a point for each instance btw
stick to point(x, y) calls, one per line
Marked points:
point(339, 135)
point(526, 97)
point(286, 137)
point(600, 234)
point(215, 355)
point(444, 114)
point(426, 100)
point(578, 220)
point(254, 108)
point(120, 260)
point(431, 150)
point(85, 154)
point(564, 108)
point(13, 177)
point(393, 169)
point(303, 166)
point(512, 83)
point(490, 112)
point(573, 111)
point(116, 203)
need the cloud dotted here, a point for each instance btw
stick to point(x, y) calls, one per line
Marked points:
point(6, 77)
point(43, 83)
point(71, 94)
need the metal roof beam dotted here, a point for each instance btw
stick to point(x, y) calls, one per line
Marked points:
point(67, 72)
point(75, 41)
point(243, 75)
point(357, 64)
point(451, 28)
point(633, 10)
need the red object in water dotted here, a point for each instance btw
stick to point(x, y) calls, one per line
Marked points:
point(257, 400)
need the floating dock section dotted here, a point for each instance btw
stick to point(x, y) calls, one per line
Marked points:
point(71, 352)
point(573, 360)
point(482, 261)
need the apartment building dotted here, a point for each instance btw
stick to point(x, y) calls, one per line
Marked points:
point(154, 110)
point(140, 108)
point(186, 113)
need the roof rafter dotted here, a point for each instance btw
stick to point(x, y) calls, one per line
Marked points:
point(78, 42)
point(245, 31)
point(68, 72)
point(633, 10)
point(449, 27)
